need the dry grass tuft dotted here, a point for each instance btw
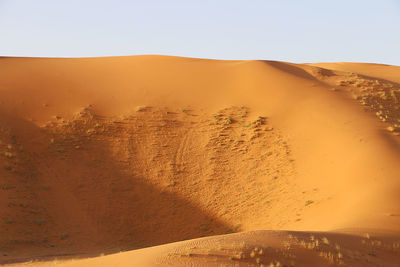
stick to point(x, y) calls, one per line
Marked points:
point(140, 108)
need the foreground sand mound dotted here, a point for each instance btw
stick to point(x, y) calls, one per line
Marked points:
point(112, 154)
point(254, 248)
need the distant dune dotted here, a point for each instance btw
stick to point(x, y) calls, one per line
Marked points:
point(244, 163)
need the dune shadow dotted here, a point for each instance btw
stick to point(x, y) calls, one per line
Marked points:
point(392, 141)
point(86, 202)
point(290, 69)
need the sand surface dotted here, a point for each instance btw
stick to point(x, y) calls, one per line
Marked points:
point(168, 161)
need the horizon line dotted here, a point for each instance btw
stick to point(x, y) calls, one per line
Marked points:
point(187, 57)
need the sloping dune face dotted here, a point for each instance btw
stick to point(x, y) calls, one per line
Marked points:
point(108, 154)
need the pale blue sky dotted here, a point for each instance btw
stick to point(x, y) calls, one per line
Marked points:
point(288, 30)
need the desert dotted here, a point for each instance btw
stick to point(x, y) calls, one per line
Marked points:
point(172, 161)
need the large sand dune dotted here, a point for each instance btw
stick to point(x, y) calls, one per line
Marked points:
point(266, 162)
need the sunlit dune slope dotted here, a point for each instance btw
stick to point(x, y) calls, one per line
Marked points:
point(101, 155)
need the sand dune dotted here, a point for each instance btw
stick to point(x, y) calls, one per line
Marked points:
point(104, 155)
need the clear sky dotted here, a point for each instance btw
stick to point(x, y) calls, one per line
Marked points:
point(288, 30)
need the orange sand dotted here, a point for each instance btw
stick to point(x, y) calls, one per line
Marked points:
point(104, 155)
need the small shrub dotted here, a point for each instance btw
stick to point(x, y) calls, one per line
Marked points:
point(140, 108)
point(325, 241)
point(309, 202)
point(390, 129)
point(39, 222)
point(7, 167)
point(64, 236)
